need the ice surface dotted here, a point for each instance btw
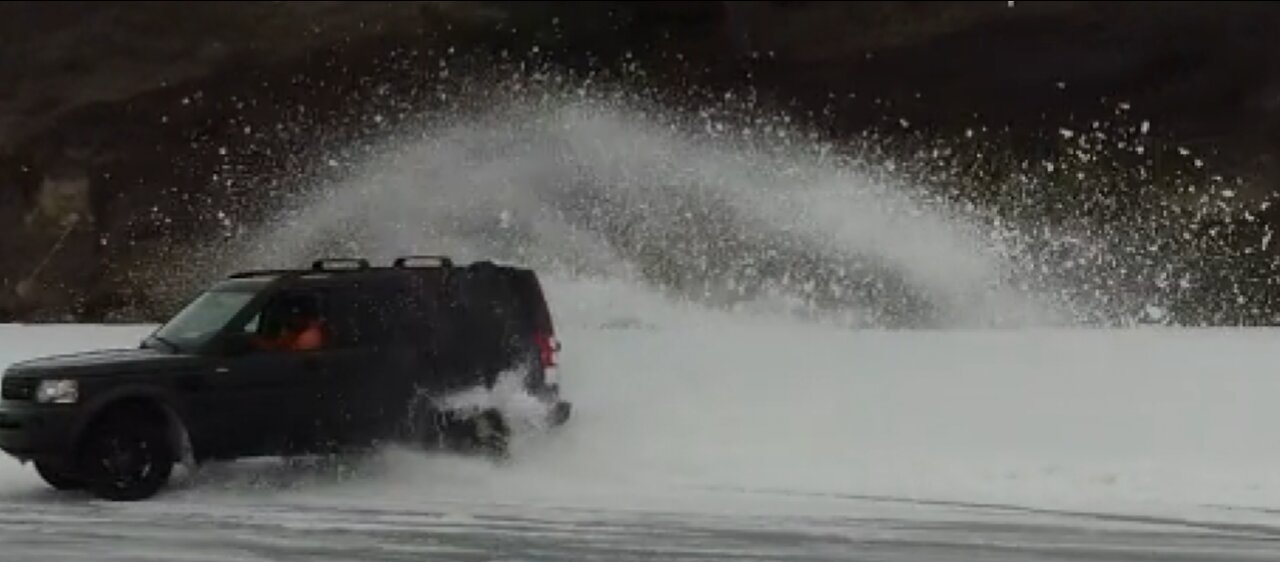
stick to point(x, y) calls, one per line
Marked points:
point(689, 410)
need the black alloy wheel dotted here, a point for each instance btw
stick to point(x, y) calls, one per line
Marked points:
point(126, 460)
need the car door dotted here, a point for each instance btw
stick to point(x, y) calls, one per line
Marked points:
point(260, 403)
point(371, 366)
point(265, 401)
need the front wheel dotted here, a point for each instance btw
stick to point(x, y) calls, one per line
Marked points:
point(126, 460)
point(57, 477)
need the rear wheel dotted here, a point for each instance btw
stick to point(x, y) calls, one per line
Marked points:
point(560, 413)
point(485, 432)
point(491, 433)
point(126, 459)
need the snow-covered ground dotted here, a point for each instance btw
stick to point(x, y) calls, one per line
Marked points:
point(692, 428)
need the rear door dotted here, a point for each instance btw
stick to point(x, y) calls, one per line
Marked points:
point(377, 358)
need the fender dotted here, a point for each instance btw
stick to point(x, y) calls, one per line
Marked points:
point(169, 403)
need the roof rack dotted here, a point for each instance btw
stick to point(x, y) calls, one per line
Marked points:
point(352, 263)
point(260, 273)
point(349, 264)
point(433, 261)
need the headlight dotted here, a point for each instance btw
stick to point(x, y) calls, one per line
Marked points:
point(57, 392)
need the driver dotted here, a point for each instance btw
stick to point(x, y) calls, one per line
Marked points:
point(302, 329)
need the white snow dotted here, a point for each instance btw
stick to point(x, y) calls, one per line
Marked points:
point(680, 409)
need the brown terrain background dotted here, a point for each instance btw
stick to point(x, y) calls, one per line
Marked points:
point(132, 133)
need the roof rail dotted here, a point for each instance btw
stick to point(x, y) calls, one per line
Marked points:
point(439, 261)
point(259, 273)
point(354, 263)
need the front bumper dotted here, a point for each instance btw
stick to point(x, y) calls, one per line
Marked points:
point(33, 431)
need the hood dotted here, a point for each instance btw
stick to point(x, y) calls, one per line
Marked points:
point(99, 362)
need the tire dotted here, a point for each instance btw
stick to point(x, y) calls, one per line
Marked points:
point(57, 477)
point(491, 433)
point(485, 432)
point(126, 459)
point(560, 413)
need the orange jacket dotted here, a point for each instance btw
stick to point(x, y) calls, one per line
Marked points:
point(309, 338)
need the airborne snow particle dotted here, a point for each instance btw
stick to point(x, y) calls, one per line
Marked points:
point(1146, 127)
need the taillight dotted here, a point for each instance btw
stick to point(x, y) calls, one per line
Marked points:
point(548, 346)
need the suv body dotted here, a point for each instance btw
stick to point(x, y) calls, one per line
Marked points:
point(398, 339)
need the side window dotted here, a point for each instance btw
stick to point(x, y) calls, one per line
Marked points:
point(295, 320)
point(365, 317)
point(534, 314)
point(254, 324)
point(487, 314)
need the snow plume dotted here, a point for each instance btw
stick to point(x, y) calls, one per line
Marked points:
point(749, 217)
point(508, 395)
point(725, 205)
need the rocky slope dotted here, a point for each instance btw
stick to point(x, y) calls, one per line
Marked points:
point(128, 132)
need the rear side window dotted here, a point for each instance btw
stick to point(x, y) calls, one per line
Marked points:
point(487, 312)
point(369, 314)
point(532, 301)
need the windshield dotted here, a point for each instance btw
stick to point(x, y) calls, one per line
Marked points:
point(200, 320)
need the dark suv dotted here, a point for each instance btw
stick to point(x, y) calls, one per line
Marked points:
point(335, 358)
